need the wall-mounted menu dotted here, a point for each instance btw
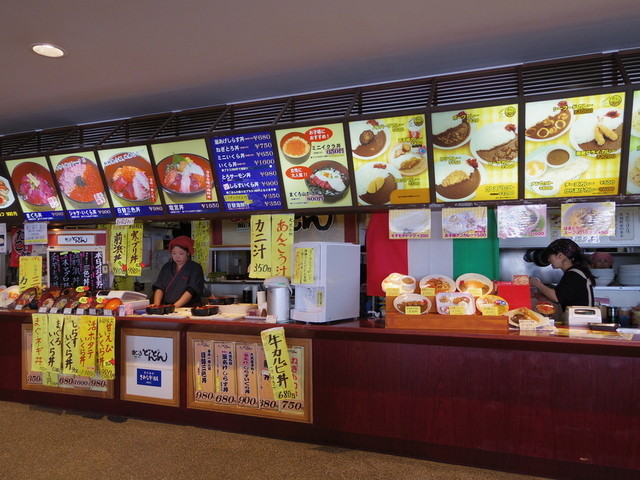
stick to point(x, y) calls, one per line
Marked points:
point(314, 166)
point(81, 185)
point(185, 176)
point(131, 183)
point(572, 146)
point(633, 177)
point(390, 160)
point(33, 182)
point(476, 154)
point(8, 205)
point(246, 172)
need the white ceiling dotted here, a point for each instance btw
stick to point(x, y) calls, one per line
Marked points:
point(137, 57)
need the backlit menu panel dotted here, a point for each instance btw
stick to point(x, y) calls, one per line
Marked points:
point(633, 176)
point(475, 154)
point(130, 181)
point(246, 171)
point(573, 145)
point(9, 207)
point(81, 186)
point(314, 166)
point(33, 182)
point(185, 177)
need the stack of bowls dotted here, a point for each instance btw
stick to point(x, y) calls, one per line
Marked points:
point(629, 274)
point(604, 276)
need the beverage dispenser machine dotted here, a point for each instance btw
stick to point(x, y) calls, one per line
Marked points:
point(326, 281)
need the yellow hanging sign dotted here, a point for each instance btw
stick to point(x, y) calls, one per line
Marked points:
point(106, 347)
point(305, 260)
point(277, 356)
point(88, 345)
point(39, 341)
point(118, 253)
point(70, 345)
point(30, 268)
point(282, 237)
point(261, 247)
point(134, 250)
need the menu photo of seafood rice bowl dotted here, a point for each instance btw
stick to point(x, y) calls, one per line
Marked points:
point(184, 174)
point(80, 181)
point(128, 177)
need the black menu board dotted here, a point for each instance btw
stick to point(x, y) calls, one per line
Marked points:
point(34, 185)
point(185, 177)
point(81, 186)
point(246, 171)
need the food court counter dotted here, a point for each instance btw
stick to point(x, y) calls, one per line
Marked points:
point(537, 404)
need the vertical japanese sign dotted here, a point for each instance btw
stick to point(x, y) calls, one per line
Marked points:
point(305, 261)
point(476, 154)
point(247, 371)
point(277, 356)
point(30, 269)
point(573, 145)
point(106, 347)
point(226, 379)
point(88, 333)
point(282, 237)
point(134, 250)
point(39, 341)
point(201, 233)
point(71, 345)
point(204, 373)
point(261, 247)
point(185, 176)
point(54, 353)
point(118, 245)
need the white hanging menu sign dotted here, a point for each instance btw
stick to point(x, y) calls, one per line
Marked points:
point(35, 233)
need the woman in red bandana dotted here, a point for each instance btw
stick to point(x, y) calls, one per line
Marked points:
point(181, 280)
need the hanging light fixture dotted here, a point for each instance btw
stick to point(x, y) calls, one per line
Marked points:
point(48, 50)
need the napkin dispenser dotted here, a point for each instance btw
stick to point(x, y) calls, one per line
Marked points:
point(576, 315)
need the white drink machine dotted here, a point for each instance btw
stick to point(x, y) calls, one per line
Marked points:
point(326, 281)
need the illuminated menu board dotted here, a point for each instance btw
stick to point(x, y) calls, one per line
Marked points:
point(475, 154)
point(246, 170)
point(8, 204)
point(390, 160)
point(572, 146)
point(633, 176)
point(33, 182)
point(314, 167)
point(185, 176)
point(130, 181)
point(81, 186)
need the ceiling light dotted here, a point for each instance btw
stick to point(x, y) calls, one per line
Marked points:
point(48, 50)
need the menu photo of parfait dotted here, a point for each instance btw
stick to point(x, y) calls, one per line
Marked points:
point(130, 181)
point(476, 154)
point(390, 160)
point(314, 166)
point(573, 145)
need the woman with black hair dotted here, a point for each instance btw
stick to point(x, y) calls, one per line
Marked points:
point(576, 285)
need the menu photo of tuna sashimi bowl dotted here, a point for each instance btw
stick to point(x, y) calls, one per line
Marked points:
point(184, 174)
point(129, 177)
point(80, 181)
point(34, 184)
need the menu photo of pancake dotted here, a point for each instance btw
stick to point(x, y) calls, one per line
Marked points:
point(390, 160)
point(476, 154)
